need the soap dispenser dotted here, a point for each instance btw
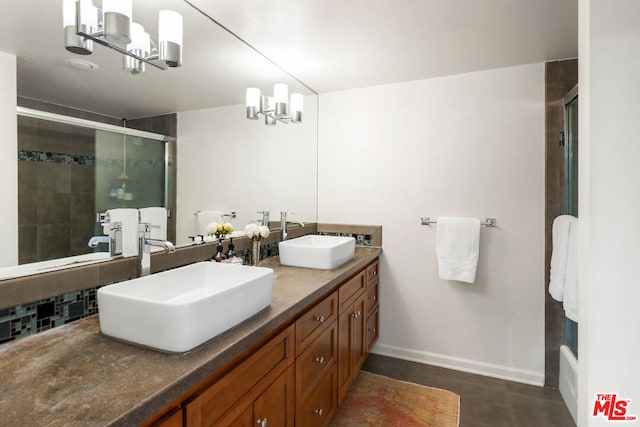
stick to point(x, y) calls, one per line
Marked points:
point(231, 249)
point(232, 256)
point(219, 256)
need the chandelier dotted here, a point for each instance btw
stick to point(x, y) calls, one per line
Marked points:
point(276, 108)
point(113, 27)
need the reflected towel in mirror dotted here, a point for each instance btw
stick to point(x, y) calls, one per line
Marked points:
point(129, 219)
point(157, 217)
point(205, 217)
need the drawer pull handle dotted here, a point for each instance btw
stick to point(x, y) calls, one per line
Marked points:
point(320, 359)
point(320, 319)
point(373, 273)
point(373, 331)
point(356, 314)
point(318, 412)
point(262, 422)
point(373, 298)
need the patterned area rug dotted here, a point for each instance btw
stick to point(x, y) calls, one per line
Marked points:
point(374, 400)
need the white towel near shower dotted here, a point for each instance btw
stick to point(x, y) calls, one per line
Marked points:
point(570, 302)
point(203, 218)
point(458, 248)
point(129, 219)
point(560, 241)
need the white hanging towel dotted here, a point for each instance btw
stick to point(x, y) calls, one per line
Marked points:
point(457, 248)
point(157, 217)
point(570, 302)
point(129, 219)
point(203, 218)
point(558, 268)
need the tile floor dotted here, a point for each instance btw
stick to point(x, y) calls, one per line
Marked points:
point(484, 401)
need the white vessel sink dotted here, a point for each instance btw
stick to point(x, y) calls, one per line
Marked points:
point(177, 310)
point(320, 252)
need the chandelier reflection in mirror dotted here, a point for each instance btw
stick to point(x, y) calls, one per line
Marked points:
point(276, 108)
point(113, 27)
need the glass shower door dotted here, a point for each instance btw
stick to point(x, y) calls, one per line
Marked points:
point(130, 172)
point(571, 156)
point(571, 187)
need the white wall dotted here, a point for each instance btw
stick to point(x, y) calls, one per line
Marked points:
point(229, 163)
point(8, 163)
point(463, 145)
point(609, 205)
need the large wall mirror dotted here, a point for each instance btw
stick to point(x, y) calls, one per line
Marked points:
point(224, 162)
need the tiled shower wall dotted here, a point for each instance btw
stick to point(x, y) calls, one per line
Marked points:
point(56, 209)
point(560, 77)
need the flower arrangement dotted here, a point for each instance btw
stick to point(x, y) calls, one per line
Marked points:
point(219, 230)
point(256, 232)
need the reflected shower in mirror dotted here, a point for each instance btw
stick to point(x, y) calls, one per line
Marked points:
point(68, 173)
point(226, 162)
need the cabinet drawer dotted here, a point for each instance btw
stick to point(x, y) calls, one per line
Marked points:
point(321, 404)
point(214, 401)
point(372, 271)
point(373, 326)
point(372, 297)
point(316, 360)
point(311, 324)
point(351, 290)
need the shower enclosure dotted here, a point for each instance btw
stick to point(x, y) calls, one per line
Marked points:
point(570, 101)
point(70, 169)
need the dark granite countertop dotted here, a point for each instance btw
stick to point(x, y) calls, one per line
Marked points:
point(72, 375)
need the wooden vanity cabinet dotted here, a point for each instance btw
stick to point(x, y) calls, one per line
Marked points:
point(298, 377)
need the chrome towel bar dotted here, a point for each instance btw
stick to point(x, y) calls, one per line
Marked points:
point(489, 222)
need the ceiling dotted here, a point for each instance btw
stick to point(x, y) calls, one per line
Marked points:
point(336, 44)
point(329, 45)
point(217, 67)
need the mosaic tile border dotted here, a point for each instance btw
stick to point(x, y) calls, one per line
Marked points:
point(85, 160)
point(49, 157)
point(28, 319)
point(361, 239)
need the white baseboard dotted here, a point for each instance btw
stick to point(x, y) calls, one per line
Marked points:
point(460, 364)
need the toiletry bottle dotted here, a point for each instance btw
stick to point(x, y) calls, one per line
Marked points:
point(231, 249)
point(219, 256)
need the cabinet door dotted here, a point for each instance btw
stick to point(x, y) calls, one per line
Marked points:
point(344, 353)
point(321, 405)
point(172, 419)
point(359, 343)
point(373, 323)
point(275, 406)
point(243, 419)
point(265, 364)
point(352, 350)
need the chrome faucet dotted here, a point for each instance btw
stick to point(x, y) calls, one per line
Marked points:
point(114, 239)
point(284, 221)
point(265, 217)
point(144, 248)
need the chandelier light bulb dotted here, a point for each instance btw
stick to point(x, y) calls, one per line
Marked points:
point(170, 36)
